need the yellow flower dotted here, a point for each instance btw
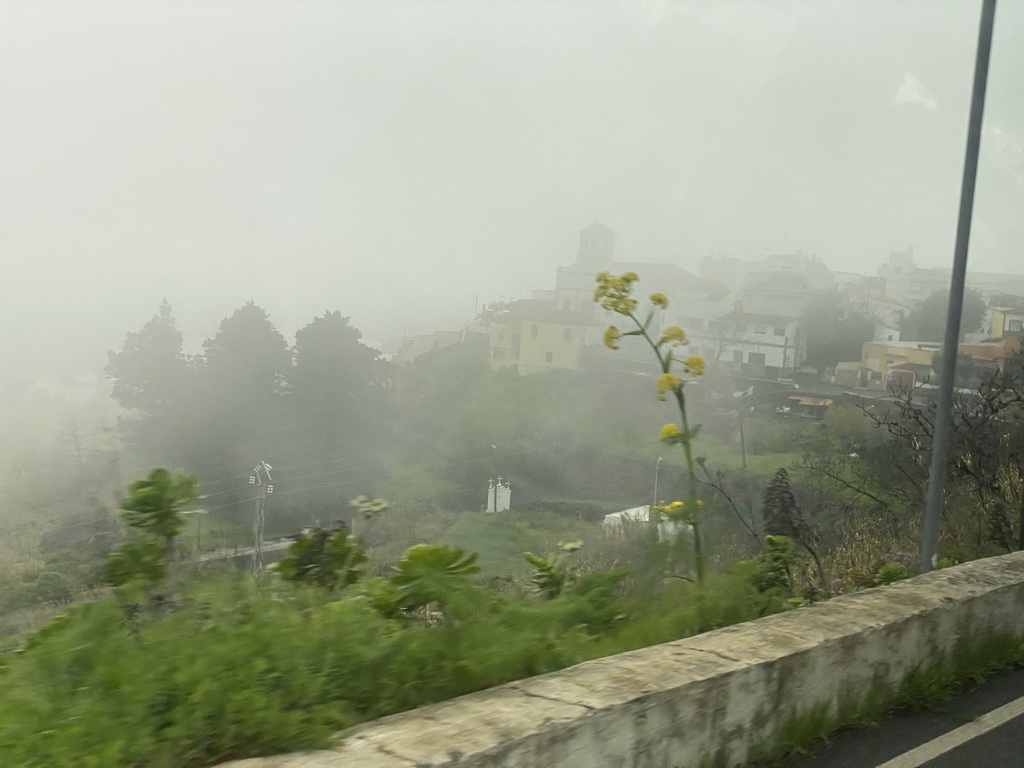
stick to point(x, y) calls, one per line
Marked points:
point(669, 431)
point(659, 300)
point(611, 337)
point(674, 334)
point(700, 503)
point(624, 306)
point(666, 383)
point(674, 506)
point(612, 293)
point(694, 364)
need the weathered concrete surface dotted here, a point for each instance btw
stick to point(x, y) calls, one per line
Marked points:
point(704, 699)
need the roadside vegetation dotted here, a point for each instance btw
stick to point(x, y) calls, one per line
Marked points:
point(119, 648)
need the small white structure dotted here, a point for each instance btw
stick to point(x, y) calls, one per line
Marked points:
point(616, 522)
point(499, 495)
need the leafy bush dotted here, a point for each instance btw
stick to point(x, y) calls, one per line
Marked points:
point(429, 574)
point(890, 572)
point(774, 565)
point(234, 670)
point(138, 561)
point(48, 588)
point(327, 559)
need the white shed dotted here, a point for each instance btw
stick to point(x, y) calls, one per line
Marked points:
point(617, 521)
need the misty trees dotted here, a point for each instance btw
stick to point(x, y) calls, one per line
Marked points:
point(928, 322)
point(246, 365)
point(186, 410)
point(834, 333)
point(153, 380)
point(251, 397)
point(151, 366)
point(335, 387)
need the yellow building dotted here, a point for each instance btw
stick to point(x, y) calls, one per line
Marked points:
point(1006, 321)
point(534, 341)
point(879, 358)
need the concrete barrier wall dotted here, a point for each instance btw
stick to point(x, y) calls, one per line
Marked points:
point(703, 701)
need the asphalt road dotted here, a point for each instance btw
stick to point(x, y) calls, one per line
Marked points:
point(979, 728)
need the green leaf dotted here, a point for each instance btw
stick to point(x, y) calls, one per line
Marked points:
point(428, 574)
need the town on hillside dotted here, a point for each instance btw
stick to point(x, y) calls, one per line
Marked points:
point(786, 318)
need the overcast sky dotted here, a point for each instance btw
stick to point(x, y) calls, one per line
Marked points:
point(400, 161)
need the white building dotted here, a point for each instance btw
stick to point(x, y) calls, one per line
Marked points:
point(754, 344)
point(499, 495)
point(618, 522)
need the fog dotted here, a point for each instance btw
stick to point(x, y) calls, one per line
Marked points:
point(280, 448)
point(403, 162)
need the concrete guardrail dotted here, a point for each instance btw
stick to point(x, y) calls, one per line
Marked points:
point(702, 701)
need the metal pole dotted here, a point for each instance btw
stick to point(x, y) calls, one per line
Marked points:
point(943, 416)
point(657, 466)
point(743, 441)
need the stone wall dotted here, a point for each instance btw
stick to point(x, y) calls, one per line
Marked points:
point(705, 700)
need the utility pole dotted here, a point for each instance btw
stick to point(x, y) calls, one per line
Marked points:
point(743, 440)
point(260, 477)
point(950, 347)
point(743, 406)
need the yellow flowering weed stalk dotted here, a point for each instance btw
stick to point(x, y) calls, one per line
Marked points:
point(614, 293)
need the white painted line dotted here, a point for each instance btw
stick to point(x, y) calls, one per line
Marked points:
point(948, 741)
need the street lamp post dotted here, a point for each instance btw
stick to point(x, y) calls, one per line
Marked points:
point(943, 416)
point(657, 466)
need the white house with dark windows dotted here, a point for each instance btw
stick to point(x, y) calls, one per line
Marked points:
point(755, 344)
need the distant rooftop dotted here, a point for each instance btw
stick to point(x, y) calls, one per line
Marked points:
point(757, 318)
point(669, 277)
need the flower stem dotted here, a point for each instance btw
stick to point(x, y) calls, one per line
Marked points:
point(665, 361)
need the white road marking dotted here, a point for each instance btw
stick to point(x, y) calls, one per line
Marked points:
point(948, 741)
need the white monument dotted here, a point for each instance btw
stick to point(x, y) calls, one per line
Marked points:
point(499, 495)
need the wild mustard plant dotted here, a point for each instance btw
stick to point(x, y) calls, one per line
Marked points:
point(614, 293)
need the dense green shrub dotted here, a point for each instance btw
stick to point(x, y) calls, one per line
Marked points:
point(237, 670)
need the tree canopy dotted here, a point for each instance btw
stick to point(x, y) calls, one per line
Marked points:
point(835, 333)
point(151, 366)
point(928, 322)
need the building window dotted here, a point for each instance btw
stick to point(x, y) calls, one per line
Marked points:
point(568, 334)
point(549, 357)
point(533, 331)
point(759, 329)
point(1015, 326)
point(737, 357)
point(780, 331)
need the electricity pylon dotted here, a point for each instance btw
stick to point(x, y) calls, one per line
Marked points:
point(260, 477)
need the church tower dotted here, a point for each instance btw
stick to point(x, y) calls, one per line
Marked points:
point(597, 247)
